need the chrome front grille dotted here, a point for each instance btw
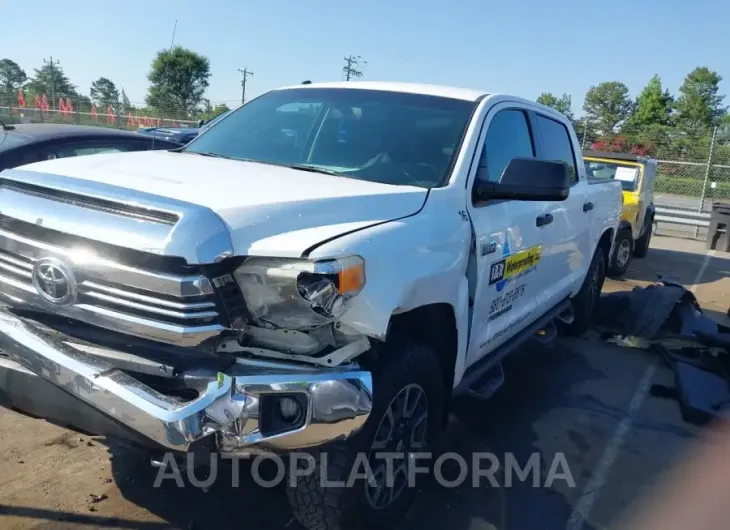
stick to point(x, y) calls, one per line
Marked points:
point(169, 308)
point(15, 265)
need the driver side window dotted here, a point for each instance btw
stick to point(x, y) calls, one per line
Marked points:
point(508, 137)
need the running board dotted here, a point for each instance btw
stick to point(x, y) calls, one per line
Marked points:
point(488, 385)
point(482, 368)
point(567, 316)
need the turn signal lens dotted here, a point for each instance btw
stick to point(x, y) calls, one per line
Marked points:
point(351, 279)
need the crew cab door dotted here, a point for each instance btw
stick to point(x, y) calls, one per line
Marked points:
point(508, 240)
point(567, 248)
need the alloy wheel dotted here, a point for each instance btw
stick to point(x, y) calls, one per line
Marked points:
point(401, 432)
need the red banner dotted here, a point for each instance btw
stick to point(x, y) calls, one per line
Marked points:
point(93, 112)
point(61, 107)
point(69, 106)
point(110, 116)
point(21, 99)
point(131, 120)
point(44, 103)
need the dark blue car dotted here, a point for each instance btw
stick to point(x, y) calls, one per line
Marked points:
point(22, 144)
point(180, 135)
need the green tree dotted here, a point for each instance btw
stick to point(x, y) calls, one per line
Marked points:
point(210, 112)
point(12, 78)
point(562, 104)
point(179, 78)
point(607, 105)
point(699, 106)
point(125, 104)
point(220, 108)
point(51, 81)
point(586, 131)
point(104, 92)
point(653, 107)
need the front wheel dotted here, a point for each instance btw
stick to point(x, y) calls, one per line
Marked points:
point(407, 415)
point(584, 303)
point(622, 250)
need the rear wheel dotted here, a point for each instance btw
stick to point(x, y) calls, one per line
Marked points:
point(407, 415)
point(622, 250)
point(642, 244)
point(584, 303)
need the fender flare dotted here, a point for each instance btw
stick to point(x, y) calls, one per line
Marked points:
point(648, 218)
point(624, 225)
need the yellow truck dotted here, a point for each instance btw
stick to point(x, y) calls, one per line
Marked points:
point(637, 175)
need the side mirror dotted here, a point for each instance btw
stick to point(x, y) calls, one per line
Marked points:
point(526, 179)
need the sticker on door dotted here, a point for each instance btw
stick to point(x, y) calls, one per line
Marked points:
point(513, 265)
point(502, 304)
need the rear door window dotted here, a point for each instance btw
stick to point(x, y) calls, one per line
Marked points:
point(556, 144)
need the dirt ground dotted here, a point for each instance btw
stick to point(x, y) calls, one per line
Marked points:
point(582, 398)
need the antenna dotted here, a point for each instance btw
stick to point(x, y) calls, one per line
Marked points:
point(172, 42)
point(159, 111)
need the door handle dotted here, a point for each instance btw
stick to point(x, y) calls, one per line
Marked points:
point(587, 207)
point(543, 220)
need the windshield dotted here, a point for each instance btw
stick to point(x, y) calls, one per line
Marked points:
point(627, 174)
point(390, 137)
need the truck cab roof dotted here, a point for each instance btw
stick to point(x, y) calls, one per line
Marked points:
point(465, 94)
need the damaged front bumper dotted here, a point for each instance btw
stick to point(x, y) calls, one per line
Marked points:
point(238, 409)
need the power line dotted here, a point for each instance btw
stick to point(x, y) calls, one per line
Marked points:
point(351, 67)
point(245, 73)
point(51, 64)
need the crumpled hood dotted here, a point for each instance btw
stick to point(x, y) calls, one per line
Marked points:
point(268, 210)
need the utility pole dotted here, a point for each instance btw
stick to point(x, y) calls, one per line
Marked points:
point(245, 73)
point(51, 64)
point(351, 67)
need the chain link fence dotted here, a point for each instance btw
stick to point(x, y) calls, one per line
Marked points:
point(693, 168)
point(82, 111)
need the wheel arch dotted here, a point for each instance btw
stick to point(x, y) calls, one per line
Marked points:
point(649, 218)
point(606, 241)
point(434, 325)
point(625, 225)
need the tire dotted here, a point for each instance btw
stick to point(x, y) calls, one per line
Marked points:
point(584, 303)
point(405, 368)
point(622, 251)
point(642, 244)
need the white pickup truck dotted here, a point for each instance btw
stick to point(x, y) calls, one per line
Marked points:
point(324, 269)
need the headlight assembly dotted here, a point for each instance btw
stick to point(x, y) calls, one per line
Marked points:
point(299, 294)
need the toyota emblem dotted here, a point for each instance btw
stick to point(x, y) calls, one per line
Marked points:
point(54, 281)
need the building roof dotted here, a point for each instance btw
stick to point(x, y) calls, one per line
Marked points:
point(410, 88)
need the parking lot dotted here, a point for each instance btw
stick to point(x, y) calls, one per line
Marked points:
point(582, 397)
